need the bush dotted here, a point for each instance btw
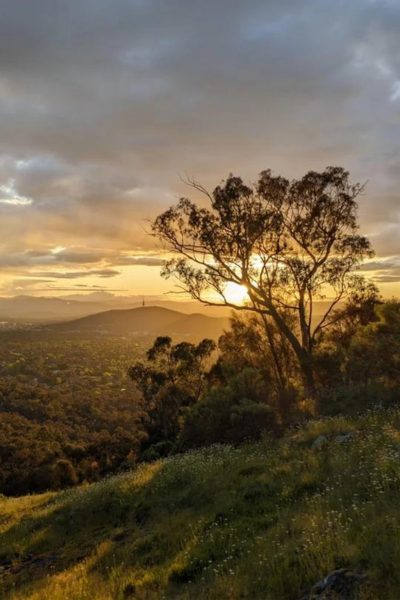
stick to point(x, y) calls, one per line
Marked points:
point(356, 398)
point(64, 474)
point(230, 414)
point(156, 451)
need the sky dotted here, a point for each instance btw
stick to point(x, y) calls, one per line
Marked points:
point(106, 105)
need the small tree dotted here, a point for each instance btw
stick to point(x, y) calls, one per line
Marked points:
point(232, 413)
point(374, 351)
point(256, 342)
point(288, 243)
point(172, 379)
point(252, 342)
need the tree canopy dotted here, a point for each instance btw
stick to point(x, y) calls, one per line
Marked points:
point(290, 243)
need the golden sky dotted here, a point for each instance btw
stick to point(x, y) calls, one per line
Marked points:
point(105, 106)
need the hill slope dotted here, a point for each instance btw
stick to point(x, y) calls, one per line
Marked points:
point(75, 306)
point(148, 320)
point(264, 521)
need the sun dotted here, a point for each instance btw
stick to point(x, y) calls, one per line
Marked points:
point(235, 293)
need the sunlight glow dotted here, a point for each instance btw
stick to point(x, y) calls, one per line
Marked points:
point(57, 249)
point(236, 294)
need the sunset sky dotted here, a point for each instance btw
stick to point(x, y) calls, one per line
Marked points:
point(107, 104)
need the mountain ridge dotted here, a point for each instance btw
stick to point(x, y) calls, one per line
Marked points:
point(57, 308)
point(147, 320)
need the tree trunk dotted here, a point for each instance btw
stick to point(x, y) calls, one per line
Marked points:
point(304, 355)
point(308, 380)
point(282, 384)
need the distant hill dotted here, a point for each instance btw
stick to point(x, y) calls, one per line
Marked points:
point(48, 309)
point(110, 301)
point(54, 309)
point(147, 321)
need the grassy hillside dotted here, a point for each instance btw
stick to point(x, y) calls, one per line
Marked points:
point(262, 521)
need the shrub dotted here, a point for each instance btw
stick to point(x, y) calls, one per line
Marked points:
point(230, 414)
point(356, 398)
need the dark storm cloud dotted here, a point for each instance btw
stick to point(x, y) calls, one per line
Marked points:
point(104, 104)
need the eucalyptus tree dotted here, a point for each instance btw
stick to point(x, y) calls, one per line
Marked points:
point(172, 378)
point(290, 243)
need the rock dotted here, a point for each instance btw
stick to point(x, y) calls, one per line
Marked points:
point(344, 438)
point(319, 442)
point(339, 585)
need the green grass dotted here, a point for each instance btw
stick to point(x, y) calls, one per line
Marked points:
point(263, 521)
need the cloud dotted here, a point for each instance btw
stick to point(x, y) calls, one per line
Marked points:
point(54, 257)
point(383, 271)
point(381, 265)
point(66, 256)
point(104, 273)
point(9, 195)
point(47, 257)
point(143, 261)
point(387, 278)
point(34, 286)
point(103, 105)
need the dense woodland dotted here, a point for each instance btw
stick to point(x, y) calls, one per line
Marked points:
point(68, 413)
